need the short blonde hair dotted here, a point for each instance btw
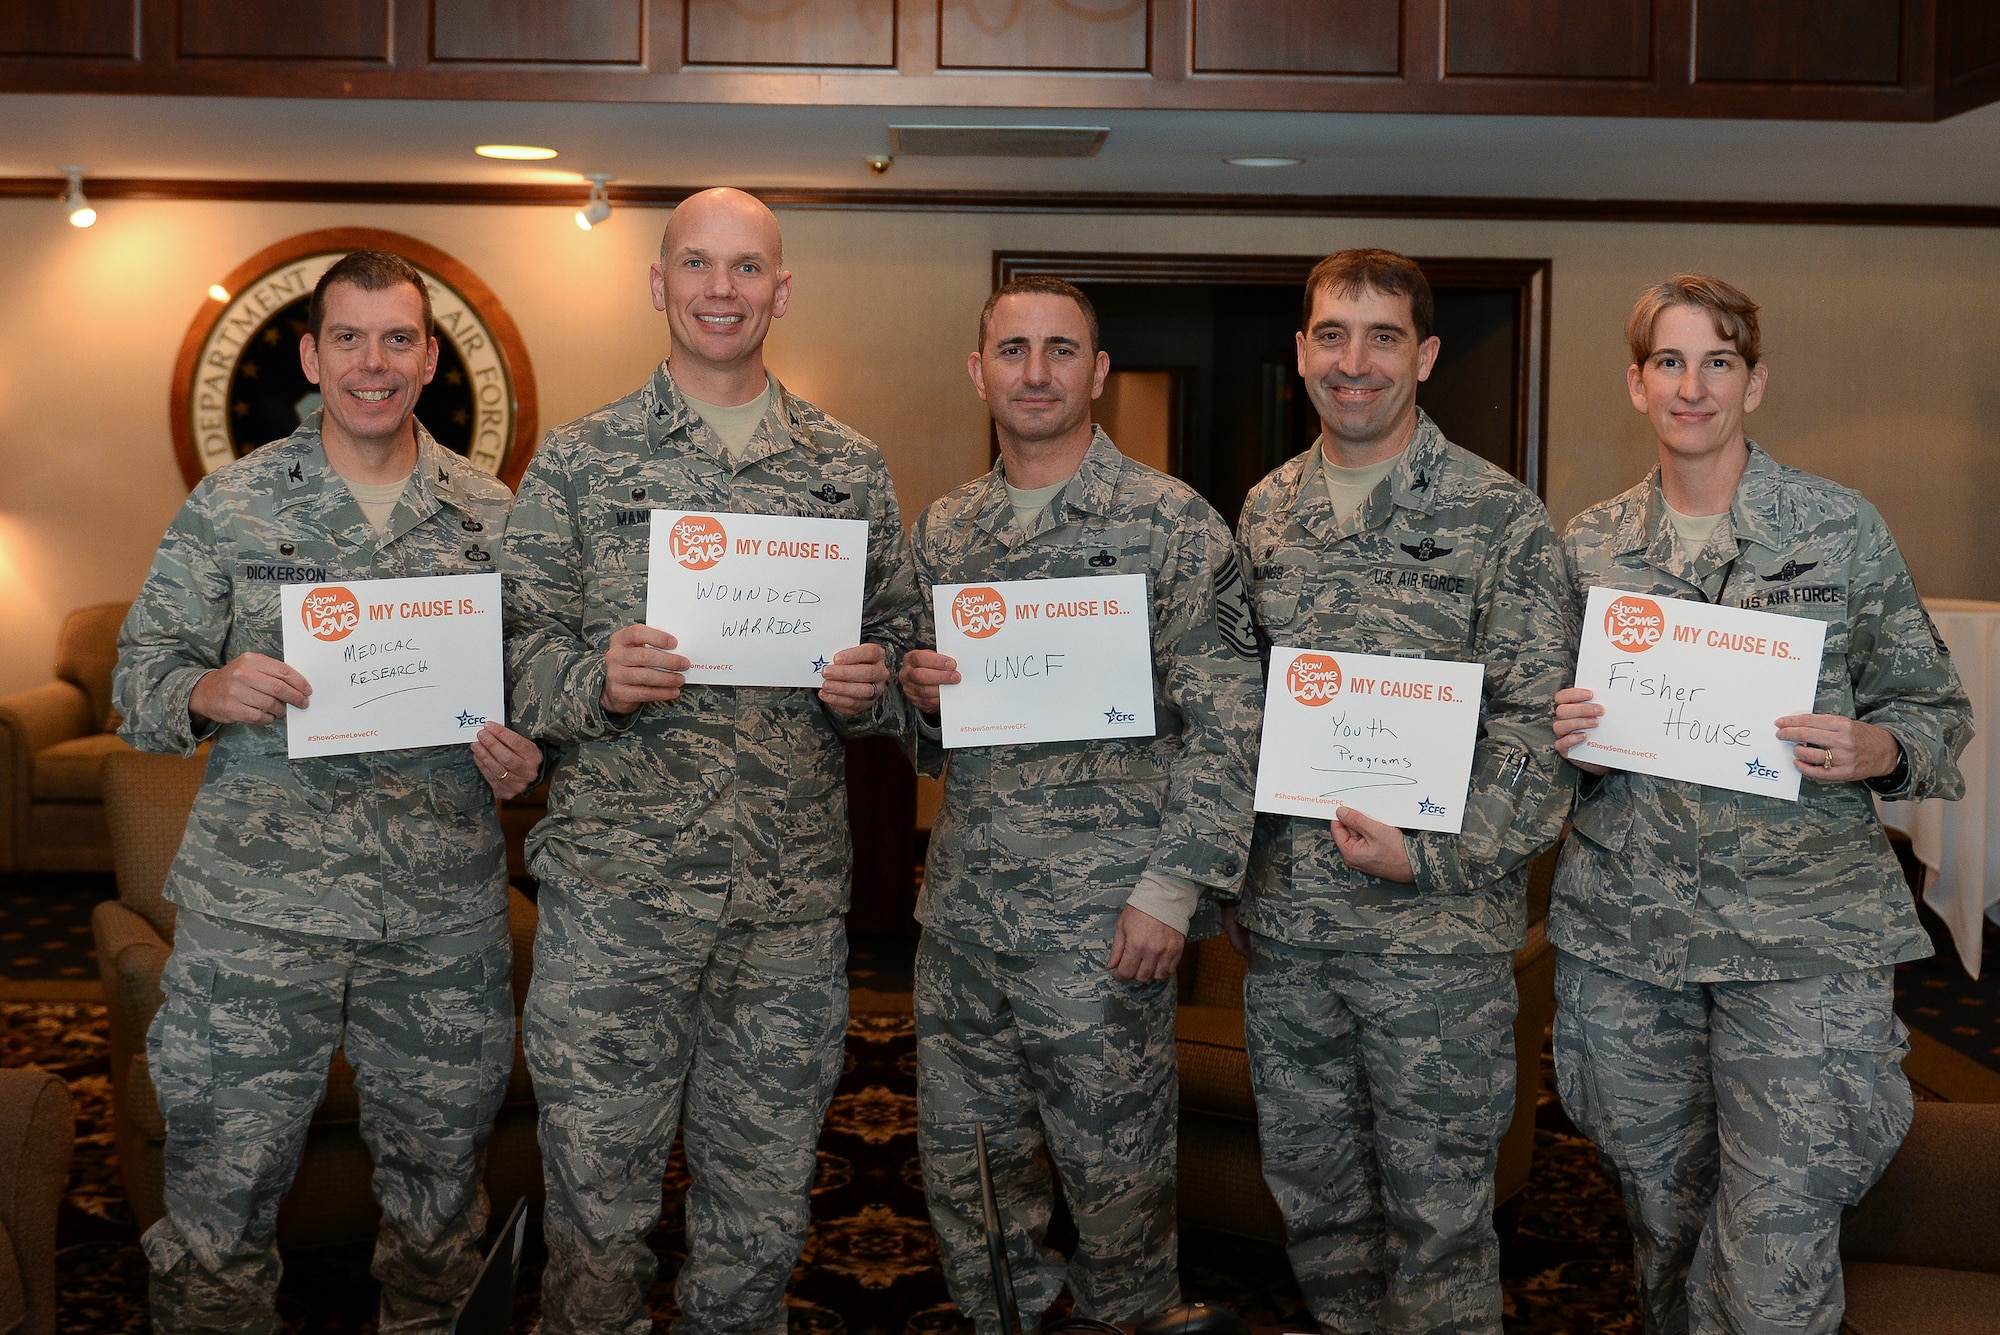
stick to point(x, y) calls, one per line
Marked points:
point(1735, 315)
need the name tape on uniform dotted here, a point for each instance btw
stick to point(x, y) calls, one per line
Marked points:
point(757, 600)
point(1692, 691)
point(1046, 660)
point(393, 663)
point(1390, 737)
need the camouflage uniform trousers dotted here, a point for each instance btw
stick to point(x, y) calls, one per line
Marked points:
point(638, 1019)
point(1058, 1059)
point(239, 1052)
point(1737, 1120)
point(1384, 1084)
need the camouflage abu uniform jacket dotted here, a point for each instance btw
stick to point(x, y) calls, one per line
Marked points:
point(1674, 883)
point(1448, 558)
point(366, 847)
point(728, 804)
point(1038, 846)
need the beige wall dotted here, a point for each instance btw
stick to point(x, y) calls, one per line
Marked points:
point(1882, 343)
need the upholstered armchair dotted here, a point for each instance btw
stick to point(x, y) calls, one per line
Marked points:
point(147, 799)
point(37, 1134)
point(53, 741)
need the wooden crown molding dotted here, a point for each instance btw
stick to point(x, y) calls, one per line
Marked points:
point(1463, 207)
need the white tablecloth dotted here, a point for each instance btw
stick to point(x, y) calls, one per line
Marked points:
point(1959, 842)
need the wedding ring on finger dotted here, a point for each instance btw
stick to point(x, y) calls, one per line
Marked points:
point(1826, 757)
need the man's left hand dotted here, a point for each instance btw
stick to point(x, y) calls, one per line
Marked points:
point(855, 679)
point(1144, 949)
point(507, 759)
point(1372, 848)
point(1832, 749)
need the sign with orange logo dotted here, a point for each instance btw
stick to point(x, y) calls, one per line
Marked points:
point(757, 600)
point(1390, 737)
point(393, 663)
point(1046, 660)
point(1692, 691)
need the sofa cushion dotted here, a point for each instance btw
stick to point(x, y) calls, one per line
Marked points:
point(87, 653)
point(73, 771)
point(1919, 1300)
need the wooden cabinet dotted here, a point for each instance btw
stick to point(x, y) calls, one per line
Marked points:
point(1776, 59)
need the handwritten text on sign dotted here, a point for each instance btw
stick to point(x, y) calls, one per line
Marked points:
point(393, 663)
point(1692, 691)
point(757, 600)
point(1046, 660)
point(1390, 737)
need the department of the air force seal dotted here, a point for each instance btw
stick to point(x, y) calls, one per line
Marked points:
point(238, 383)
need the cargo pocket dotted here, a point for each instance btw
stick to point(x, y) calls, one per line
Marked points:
point(497, 1065)
point(180, 1051)
point(1475, 1076)
point(1862, 1110)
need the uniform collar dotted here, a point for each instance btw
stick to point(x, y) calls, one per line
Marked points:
point(1756, 515)
point(1089, 491)
point(1411, 485)
point(306, 478)
point(669, 414)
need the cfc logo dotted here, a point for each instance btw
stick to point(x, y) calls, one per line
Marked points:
point(1313, 679)
point(330, 613)
point(1634, 624)
point(978, 612)
point(697, 541)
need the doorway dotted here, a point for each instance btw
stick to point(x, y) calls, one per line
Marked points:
point(1204, 367)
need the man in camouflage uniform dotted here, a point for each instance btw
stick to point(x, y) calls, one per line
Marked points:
point(356, 900)
point(1726, 1032)
point(690, 966)
point(1380, 1001)
point(1062, 876)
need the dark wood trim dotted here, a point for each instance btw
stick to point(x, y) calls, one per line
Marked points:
point(513, 348)
point(1531, 278)
point(1472, 208)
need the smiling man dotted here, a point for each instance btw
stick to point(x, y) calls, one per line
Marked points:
point(1726, 970)
point(690, 968)
point(1379, 1005)
point(353, 901)
point(1062, 876)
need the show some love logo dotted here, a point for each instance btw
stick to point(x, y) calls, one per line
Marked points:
point(1313, 679)
point(697, 541)
point(1634, 624)
point(979, 612)
point(330, 613)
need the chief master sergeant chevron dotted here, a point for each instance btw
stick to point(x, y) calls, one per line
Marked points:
point(354, 901)
point(1062, 875)
point(1380, 1000)
point(691, 961)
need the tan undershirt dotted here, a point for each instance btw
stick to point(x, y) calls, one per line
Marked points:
point(735, 426)
point(377, 500)
point(1028, 504)
point(1350, 488)
point(1694, 530)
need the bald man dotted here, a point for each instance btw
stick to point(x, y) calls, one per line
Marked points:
point(690, 967)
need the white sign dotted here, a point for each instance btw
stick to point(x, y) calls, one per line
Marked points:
point(393, 663)
point(1390, 737)
point(1692, 691)
point(1046, 660)
point(757, 600)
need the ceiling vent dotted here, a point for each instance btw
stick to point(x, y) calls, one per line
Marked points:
point(997, 141)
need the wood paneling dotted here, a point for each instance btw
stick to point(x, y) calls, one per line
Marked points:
point(1600, 39)
point(1298, 36)
point(581, 32)
point(1973, 46)
point(340, 30)
point(791, 32)
point(1043, 34)
point(1798, 41)
point(72, 28)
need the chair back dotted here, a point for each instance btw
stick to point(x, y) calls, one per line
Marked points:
point(87, 653)
point(147, 799)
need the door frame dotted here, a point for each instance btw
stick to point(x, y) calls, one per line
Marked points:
point(1531, 279)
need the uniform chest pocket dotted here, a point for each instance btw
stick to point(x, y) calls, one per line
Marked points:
point(1418, 607)
point(1276, 606)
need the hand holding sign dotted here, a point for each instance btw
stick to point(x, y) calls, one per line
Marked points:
point(249, 688)
point(640, 668)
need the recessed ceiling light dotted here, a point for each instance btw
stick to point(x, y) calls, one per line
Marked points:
point(1262, 160)
point(515, 152)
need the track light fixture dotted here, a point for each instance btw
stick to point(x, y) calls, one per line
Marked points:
point(599, 206)
point(80, 211)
